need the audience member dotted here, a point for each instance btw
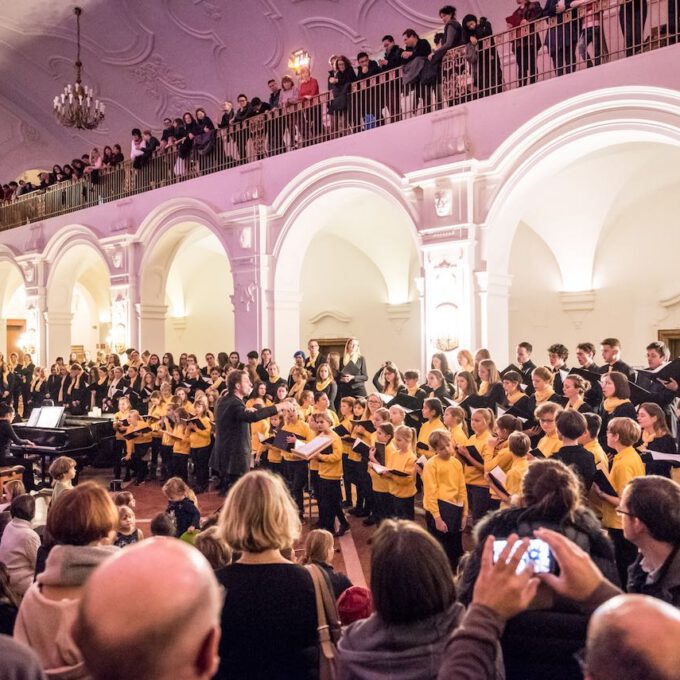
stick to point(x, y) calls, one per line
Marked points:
point(63, 471)
point(180, 506)
point(127, 533)
point(214, 548)
point(9, 603)
point(320, 550)
point(81, 524)
point(166, 624)
point(269, 620)
point(18, 661)
point(163, 524)
point(354, 604)
point(19, 544)
point(650, 508)
point(415, 608)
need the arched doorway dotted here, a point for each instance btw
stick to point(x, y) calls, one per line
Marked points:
point(78, 301)
point(346, 265)
point(14, 316)
point(186, 289)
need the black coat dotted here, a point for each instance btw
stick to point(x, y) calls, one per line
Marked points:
point(232, 452)
point(357, 386)
point(580, 460)
point(393, 58)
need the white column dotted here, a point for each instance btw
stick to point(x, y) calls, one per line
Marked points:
point(493, 293)
point(58, 328)
point(151, 322)
point(287, 318)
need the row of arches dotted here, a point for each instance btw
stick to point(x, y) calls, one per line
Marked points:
point(574, 192)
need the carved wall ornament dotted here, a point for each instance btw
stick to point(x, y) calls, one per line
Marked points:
point(244, 295)
point(443, 202)
point(245, 238)
point(29, 272)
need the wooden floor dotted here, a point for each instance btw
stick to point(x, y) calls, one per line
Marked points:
point(352, 550)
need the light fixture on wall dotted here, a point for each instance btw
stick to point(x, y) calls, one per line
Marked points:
point(445, 323)
point(298, 60)
point(27, 341)
point(76, 106)
point(116, 338)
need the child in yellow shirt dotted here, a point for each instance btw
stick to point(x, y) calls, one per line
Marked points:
point(200, 431)
point(403, 459)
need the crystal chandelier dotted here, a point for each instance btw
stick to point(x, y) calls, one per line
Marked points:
point(76, 106)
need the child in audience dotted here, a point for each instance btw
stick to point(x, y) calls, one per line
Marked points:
point(125, 498)
point(128, 532)
point(213, 547)
point(354, 604)
point(445, 496)
point(62, 470)
point(163, 524)
point(13, 488)
point(180, 505)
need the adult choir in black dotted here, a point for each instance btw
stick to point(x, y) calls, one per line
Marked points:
point(454, 435)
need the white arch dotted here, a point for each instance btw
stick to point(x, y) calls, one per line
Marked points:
point(69, 237)
point(317, 201)
point(561, 134)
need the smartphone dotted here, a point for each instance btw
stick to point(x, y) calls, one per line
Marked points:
point(538, 554)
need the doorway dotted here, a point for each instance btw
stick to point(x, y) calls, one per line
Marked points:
point(672, 340)
point(15, 329)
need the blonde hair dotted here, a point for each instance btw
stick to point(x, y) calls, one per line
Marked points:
point(259, 514)
point(347, 357)
point(406, 432)
point(317, 545)
point(214, 548)
point(14, 488)
point(469, 362)
point(494, 375)
point(626, 429)
point(460, 414)
point(176, 486)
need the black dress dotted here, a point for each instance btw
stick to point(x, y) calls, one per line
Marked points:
point(269, 624)
point(663, 444)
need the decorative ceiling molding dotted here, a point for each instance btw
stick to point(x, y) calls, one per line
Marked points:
point(337, 26)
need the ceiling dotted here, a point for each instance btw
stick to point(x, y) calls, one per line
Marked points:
point(154, 58)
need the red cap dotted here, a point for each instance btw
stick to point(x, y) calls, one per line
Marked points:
point(354, 604)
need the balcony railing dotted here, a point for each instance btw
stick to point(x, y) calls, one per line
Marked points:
point(582, 37)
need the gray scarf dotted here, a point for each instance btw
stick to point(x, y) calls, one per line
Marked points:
point(71, 565)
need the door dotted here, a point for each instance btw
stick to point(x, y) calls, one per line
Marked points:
point(15, 329)
point(672, 340)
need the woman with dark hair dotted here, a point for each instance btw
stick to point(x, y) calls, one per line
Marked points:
point(107, 156)
point(117, 157)
point(57, 174)
point(340, 81)
point(482, 56)
point(436, 386)
point(234, 361)
point(616, 402)
point(153, 363)
point(415, 609)
point(551, 497)
point(168, 361)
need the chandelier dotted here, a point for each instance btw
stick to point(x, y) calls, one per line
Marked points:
point(76, 106)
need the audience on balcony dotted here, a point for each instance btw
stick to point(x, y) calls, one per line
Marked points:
point(575, 25)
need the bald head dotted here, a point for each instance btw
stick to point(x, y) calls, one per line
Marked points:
point(151, 612)
point(632, 637)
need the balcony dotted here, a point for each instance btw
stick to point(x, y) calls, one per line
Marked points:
point(582, 38)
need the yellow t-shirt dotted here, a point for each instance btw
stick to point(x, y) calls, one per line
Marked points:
point(626, 466)
point(300, 428)
point(261, 427)
point(443, 480)
point(330, 464)
point(402, 487)
point(181, 445)
point(458, 436)
point(500, 457)
point(598, 452)
point(473, 475)
point(201, 438)
point(515, 475)
point(424, 435)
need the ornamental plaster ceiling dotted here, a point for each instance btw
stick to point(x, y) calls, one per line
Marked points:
point(151, 58)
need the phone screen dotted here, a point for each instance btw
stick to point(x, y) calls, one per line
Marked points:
point(538, 553)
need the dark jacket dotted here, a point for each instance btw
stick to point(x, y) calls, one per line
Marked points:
point(453, 37)
point(580, 460)
point(561, 625)
point(339, 581)
point(664, 584)
point(232, 452)
point(357, 386)
point(393, 58)
point(186, 515)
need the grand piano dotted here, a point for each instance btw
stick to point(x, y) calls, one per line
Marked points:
point(87, 440)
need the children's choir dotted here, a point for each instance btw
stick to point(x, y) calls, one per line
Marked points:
point(463, 438)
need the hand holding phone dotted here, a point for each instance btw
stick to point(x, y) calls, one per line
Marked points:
point(538, 554)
